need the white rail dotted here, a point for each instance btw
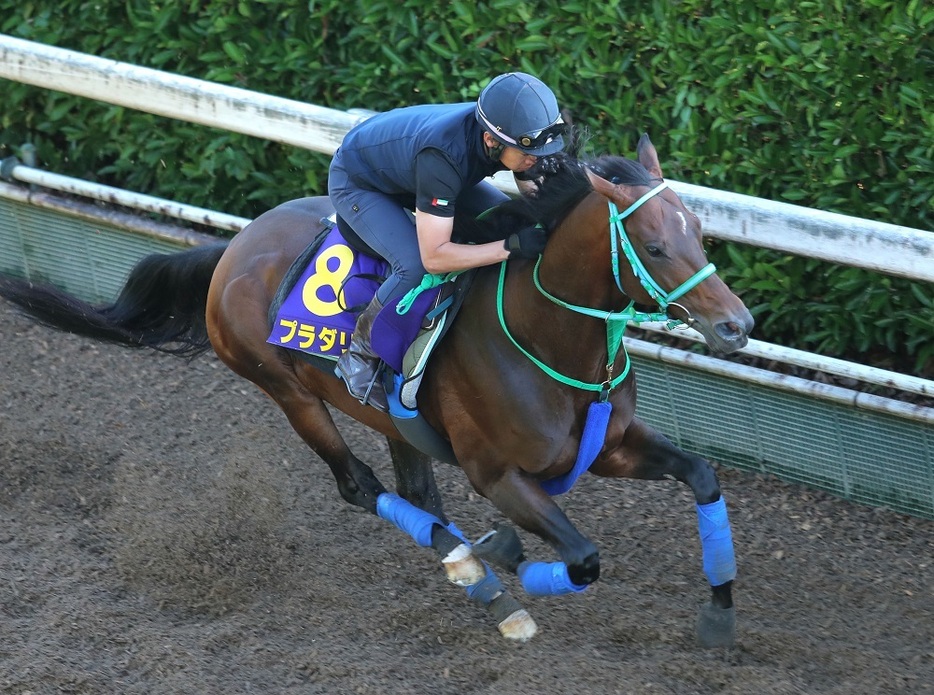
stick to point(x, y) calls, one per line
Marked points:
point(862, 373)
point(174, 96)
point(820, 363)
point(885, 248)
point(118, 196)
point(782, 382)
point(90, 212)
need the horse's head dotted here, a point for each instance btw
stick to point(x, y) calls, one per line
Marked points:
point(661, 255)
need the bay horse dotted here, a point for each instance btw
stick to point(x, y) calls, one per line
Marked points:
point(535, 351)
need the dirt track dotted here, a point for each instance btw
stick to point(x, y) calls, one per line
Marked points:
point(162, 530)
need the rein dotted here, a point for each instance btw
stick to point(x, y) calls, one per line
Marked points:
point(615, 327)
point(616, 322)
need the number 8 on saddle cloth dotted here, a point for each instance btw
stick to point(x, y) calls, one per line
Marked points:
point(315, 307)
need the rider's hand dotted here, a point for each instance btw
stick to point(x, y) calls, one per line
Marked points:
point(544, 166)
point(526, 243)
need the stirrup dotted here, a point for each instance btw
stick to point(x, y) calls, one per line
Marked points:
point(365, 400)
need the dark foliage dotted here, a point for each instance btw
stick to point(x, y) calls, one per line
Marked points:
point(820, 104)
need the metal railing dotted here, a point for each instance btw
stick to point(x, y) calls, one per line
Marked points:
point(805, 431)
point(886, 248)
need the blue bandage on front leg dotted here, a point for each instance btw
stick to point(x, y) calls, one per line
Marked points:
point(716, 542)
point(456, 532)
point(547, 579)
point(407, 517)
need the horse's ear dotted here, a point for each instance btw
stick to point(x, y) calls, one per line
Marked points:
point(600, 184)
point(648, 157)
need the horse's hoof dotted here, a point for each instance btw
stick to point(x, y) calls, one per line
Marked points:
point(513, 620)
point(519, 626)
point(462, 567)
point(501, 547)
point(716, 627)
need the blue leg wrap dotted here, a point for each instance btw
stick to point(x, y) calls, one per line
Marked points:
point(407, 517)
point(486, 589)
point(454, 531)
point(547, 579)
point(716, 542)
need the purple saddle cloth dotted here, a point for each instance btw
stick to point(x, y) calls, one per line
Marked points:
point(314, 316)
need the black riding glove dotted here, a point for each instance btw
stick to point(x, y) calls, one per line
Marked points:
point(526, 243)
point(544, 166)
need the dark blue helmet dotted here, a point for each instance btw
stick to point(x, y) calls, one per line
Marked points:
point(520, 111)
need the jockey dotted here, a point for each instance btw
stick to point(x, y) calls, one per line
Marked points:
point(433, 160)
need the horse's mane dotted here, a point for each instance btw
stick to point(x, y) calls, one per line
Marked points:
point(563, 184)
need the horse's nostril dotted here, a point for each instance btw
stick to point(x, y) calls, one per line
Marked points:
point(729, 330)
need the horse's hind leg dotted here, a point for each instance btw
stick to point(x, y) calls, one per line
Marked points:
point(415, 482)
point(646, 454)
point(309, 417)
point(420, 514)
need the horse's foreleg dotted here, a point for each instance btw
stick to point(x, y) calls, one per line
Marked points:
point(522, 499)
point(648, 455)
point(415, 478)
point(359, 486)
point(415, 482)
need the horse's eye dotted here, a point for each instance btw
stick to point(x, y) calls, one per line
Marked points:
point(654, 251)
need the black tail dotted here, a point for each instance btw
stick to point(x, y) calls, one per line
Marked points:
point(161, 306)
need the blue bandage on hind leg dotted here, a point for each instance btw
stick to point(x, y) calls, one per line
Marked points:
point(407, 517)
point(716, 542)
point(547, 579)
point(486, 589)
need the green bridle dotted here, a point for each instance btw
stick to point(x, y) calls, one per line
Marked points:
point(662, 298)
point(617, 321)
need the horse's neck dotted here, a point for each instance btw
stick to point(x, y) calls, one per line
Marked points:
point(575, 269)
point(576, 266)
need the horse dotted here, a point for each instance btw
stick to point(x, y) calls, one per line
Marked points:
point(532, 372)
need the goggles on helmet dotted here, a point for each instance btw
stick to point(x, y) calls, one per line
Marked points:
point(530, 140)
point(540, 138)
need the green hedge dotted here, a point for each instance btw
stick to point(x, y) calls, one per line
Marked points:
point(817, 103)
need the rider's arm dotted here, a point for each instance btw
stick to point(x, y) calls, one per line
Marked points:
point(438, 184)
point(441, 255)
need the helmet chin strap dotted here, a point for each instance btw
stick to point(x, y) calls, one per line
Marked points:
point(494, 152)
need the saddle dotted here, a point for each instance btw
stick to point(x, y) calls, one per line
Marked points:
point(314, 312)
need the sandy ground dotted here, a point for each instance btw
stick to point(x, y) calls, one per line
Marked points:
point(162, 530)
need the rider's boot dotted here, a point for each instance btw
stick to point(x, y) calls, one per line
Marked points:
point(359, 364)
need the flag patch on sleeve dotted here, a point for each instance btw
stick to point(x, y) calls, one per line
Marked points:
point(439, 202)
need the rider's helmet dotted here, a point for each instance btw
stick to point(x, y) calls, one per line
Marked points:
point(520, 111)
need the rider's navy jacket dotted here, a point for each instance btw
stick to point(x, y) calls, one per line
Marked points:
point(382, 154)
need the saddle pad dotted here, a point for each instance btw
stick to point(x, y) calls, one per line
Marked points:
point(314, 315)
point(393, 333)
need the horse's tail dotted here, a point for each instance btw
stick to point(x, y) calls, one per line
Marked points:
point(161, 306)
